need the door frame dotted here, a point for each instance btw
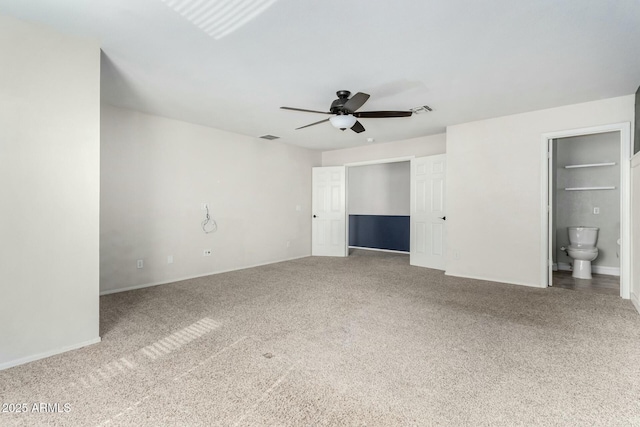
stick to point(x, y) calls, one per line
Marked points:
point(546, 261)
point(365, 163)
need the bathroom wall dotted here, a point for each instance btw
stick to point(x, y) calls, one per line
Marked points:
point(577, 207)
point(378, 205)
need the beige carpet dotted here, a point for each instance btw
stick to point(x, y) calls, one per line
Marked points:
point(366, 340)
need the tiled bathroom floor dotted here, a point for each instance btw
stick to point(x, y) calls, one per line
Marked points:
point(601, 283)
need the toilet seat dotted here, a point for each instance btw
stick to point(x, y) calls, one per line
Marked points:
point(581, 253)
point(582, 249)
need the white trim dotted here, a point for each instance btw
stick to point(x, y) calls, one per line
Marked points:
point(603, 269)
point(625, 199)
point(381, 161)
point(486, 279)
point(180, 279)
point(636, 301)
point(597, 269)
point(635, 298)
point(34, 357)
point(379, 250)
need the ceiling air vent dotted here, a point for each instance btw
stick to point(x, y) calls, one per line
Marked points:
point(269, 137)
point(421, 109)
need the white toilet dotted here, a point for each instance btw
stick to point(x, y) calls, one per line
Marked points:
point(582, 248)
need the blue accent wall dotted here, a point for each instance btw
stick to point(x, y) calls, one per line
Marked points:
point(379, 232)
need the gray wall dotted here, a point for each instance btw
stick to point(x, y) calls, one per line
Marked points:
point(49, 197)
point(576, 207)
point(381, 189)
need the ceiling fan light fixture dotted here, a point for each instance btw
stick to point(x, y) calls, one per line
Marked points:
point(343, 121)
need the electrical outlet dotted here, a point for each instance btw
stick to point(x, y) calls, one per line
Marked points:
point(288, 243)
point(596, 211)
point(140, 263)
point(170, 259)
point(456, 255)
point(206, 252)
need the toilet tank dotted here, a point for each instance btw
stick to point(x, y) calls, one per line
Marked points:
point(583, 236)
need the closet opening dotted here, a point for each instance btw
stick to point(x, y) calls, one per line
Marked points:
point(378, 206)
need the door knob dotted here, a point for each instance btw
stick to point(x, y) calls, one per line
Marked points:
point(315, 216)
point(444, 218)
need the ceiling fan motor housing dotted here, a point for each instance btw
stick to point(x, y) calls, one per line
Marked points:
point(337, 106)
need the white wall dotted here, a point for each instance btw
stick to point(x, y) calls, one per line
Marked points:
point(380, 189)
point(156, 172)
point(423, 146)
point(49, 197)
point(635, 233)
point(576, 207)
point(494, 188)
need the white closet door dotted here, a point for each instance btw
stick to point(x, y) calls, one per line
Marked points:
point(428, 237)
point(329, 228)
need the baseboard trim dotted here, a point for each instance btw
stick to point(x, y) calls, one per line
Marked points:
point(597, 269)
point(378, 250)
point(636, 301)
point(487, 279)
point(34, 357)
point(180, 279)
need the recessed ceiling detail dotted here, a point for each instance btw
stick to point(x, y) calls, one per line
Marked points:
point(219, 18)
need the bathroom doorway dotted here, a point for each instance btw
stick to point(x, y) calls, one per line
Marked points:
point(588, 187)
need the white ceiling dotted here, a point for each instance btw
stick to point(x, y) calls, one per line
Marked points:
point(468, 60)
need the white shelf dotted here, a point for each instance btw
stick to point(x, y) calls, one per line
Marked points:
point(590, 165)
point(589, 188)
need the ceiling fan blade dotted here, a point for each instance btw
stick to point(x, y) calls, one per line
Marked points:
point(356, 102)
point(306, 111)
point(312, 124)
point(357, 128)
point(382, 114)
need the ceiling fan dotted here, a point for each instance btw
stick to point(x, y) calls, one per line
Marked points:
point(344, 112)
